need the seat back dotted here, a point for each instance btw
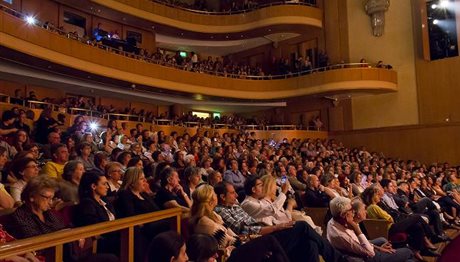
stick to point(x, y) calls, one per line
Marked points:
point(318, 215)
point(376, 228)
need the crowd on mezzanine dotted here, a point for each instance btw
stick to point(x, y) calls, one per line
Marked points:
point(80, 102)
point(280, 67)
point(229, 6)
point(243, 195)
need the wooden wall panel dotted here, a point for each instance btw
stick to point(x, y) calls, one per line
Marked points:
point(426, 143)
point(43, 10)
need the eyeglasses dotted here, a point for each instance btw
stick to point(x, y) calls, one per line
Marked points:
point(47, 198)
point(32, 166)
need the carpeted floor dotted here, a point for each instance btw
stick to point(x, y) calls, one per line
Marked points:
point(450, 252)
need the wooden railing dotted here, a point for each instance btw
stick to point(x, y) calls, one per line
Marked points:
point(292, 15)
point(58, 239)
point(50, 46)
point(232, 12)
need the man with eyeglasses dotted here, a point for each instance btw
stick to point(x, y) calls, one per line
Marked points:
point(344, 233)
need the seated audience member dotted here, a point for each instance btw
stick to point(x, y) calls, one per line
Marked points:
point(53, 138)
point(34, 217)
point(447, 203)
point(21, 122)
point(355, 179)
point(114, 174)
point(94, 208)
point(266, 210)
point(84, 155)
point(292, 176)
point(7, 127)
point(214, 177)
point(70, 143)
point(192, 179)
point(34, 150)
point(89, 138)
point(44, 125)
point(76, 123)
point(24, 169)
point(68, 186)
point(269, 192)
point(171, 193)
point(135, 162)
point(344, 233)
point(417, 229)
point(133, 200)
point(6, 201)
point(5, 237)
point(422, 205)
point(205, 221)
point(234, 176)
point(315, 195)
point(167, 247)
point(202, 248)
point(331, 185)
point(20, 139)
point(123, 158)
point(299, 240)
point(55, 167)
point(101, 159)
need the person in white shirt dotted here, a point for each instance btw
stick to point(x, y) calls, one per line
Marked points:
point(343, 233)
point(264, 209)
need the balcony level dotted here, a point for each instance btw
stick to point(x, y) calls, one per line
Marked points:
point(170, 20)
point(110, 66)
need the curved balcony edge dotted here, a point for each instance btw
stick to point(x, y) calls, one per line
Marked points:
point(43, 44)
point(202, 23)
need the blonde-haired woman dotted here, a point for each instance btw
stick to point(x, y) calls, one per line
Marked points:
point(133, 200)
point(284, 215)
point(205, 221)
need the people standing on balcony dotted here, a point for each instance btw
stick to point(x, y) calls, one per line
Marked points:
point(20, 123)
point(44, 125)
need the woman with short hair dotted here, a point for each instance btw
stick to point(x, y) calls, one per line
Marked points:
point(68, 186)
point(24, 169)
point(34, 217)
point(85, 156)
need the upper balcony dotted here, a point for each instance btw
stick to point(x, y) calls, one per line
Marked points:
point(166, 19)
point(84, 60)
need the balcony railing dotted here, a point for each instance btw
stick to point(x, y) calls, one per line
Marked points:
point(176, 4)
point(58, 239)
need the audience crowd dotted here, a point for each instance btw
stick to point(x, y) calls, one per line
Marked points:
point(81, 105)
point(242, 195)
point(230, 6)
point(280, 67)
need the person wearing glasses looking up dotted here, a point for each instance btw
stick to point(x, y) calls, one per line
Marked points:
point(24, 169)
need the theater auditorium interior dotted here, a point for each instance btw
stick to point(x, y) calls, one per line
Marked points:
point(231, 130)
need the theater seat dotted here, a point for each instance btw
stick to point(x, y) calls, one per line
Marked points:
point(376, 228)
point(318, 215)
point(379, 228)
